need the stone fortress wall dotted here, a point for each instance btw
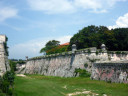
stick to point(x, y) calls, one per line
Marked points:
point(102, 64)
point(64, 64)
point(4, 64)
point(110, 72)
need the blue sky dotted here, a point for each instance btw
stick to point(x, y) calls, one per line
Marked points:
point(29, 24)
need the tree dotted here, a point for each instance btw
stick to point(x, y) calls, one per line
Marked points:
point(50, 45)
point(94, 36)
point(121, 36)
point(89, 37)
point(58, 49)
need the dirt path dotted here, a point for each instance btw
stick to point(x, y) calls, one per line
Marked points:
point(89, 93)
point(21, 75)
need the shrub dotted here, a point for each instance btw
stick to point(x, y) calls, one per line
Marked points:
point(89, 51)
point(10, 92)
point(9, 76)
point(12, 65)
point(100, 51)
point(124, 53)
point(82, 72)
point(118, 52)
point(5, 86)
point(85, 65)
point(2, 94)
point(97, 52)
point(7, 82)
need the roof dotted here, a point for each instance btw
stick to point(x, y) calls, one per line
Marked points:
point(65, 44)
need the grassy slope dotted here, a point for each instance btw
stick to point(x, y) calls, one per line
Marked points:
point(36, 85)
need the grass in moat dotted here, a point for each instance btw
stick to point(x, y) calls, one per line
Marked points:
point(37, 85)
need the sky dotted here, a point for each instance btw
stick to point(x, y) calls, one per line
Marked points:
point(29, 24)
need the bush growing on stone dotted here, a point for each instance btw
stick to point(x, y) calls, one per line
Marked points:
point(9, 76)
point(124, 53)
point(82, 72)
point(7, 82)
point(13, 65)
point(97, 52)
point(21, 62)
point(5, 86)
point(85, 65)
point(89, 51)
point(118, 52)
point(100, 51)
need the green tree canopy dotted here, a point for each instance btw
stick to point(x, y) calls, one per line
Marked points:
point(94, 36)
point(50, 45)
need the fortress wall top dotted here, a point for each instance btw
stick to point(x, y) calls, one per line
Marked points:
point(113, 55)
point(2, 38)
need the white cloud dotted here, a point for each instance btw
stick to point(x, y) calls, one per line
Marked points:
point(32, 48)
point(113, 2)
point(121, 22)
point(97, 6)
point(99, 11)
point(88, 4)
point(7, 12)
point(51, 6)
point(69, 6)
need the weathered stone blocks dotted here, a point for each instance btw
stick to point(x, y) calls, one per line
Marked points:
point(4, 65)
point(112, 72)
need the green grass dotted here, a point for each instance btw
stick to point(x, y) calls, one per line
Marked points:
point(37, 85)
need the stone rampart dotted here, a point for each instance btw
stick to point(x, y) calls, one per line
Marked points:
point(111, 72)
point(64, 64)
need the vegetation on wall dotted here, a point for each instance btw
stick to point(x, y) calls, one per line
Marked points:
point(7, 81)
point(6, 47)
point(12, 65)
point(82, 72)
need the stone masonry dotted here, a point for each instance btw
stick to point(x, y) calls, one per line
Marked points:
point(64, 64)
point(4, 64)
point(102, 64)
point(110, 72)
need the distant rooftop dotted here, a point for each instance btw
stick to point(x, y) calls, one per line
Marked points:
point(65, 44)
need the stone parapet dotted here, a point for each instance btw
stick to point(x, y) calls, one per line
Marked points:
point(86, 50)
point(64, 64)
